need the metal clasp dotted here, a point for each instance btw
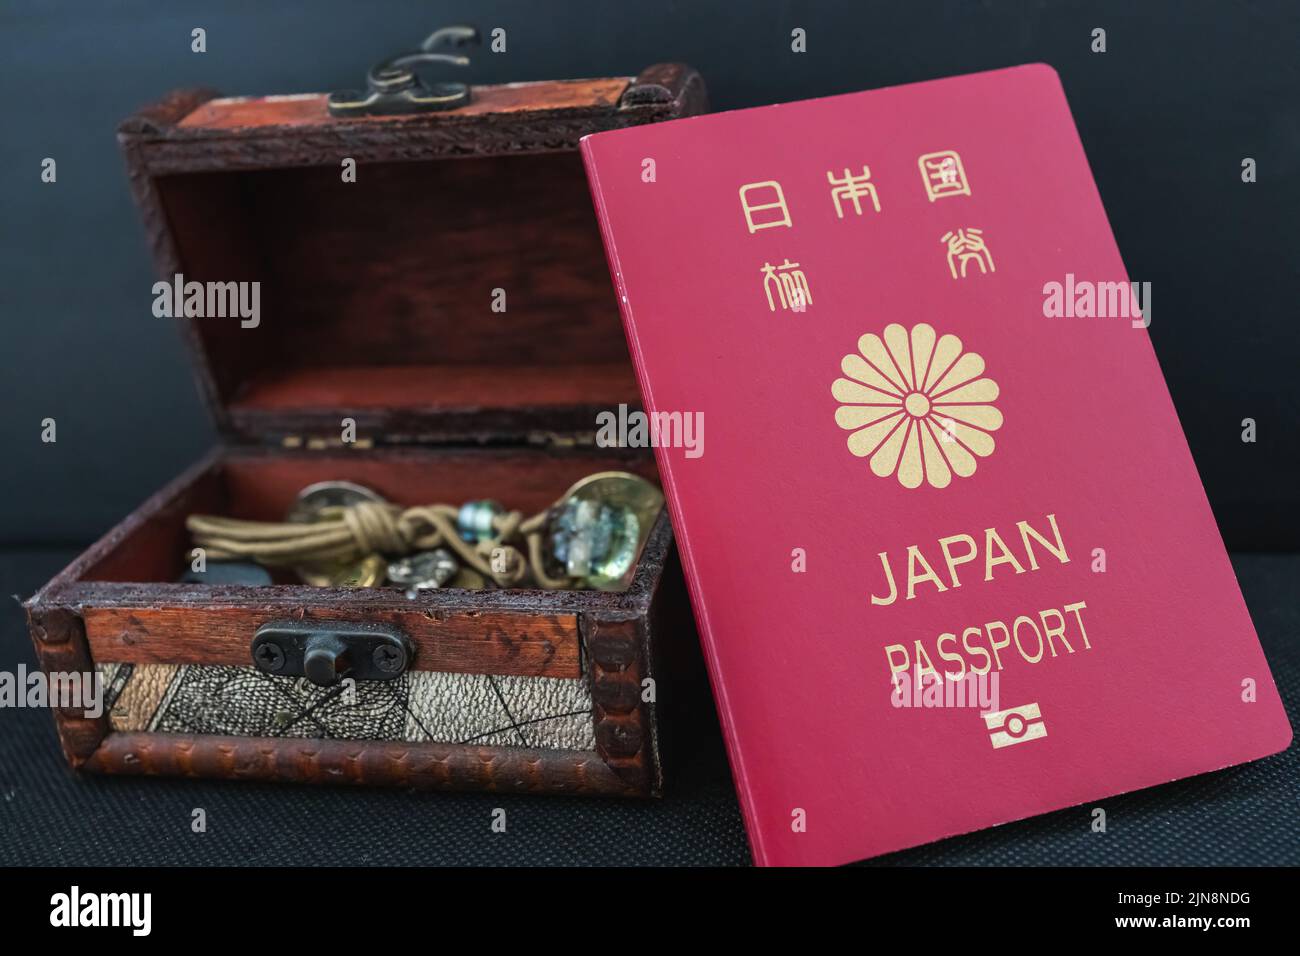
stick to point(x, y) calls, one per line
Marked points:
point(393, 88)
point(325, 652)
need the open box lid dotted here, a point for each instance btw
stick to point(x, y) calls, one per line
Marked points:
point(457, 290)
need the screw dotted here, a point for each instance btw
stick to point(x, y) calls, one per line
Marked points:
point(388, 658)
point(269, 656)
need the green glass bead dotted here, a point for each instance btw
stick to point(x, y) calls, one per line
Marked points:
point(474, 520)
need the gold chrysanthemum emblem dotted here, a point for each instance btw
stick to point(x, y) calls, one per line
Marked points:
point(917, 407)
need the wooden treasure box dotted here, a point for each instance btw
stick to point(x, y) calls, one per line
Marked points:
point(376, 306)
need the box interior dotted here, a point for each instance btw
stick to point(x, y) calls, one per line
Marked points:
point(379, 293)
point(263, 487)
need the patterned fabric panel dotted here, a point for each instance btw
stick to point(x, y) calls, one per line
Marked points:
point(484, 709)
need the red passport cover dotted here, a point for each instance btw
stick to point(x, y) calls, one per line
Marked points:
point(935, 441)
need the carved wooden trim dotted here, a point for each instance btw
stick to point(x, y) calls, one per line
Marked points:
point(362, 762)
point(672, 85)
point(617, 652)
point(60, 640)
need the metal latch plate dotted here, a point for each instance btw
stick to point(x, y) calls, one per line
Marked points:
point(326, 652)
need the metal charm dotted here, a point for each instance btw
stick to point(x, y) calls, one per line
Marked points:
point(424, 570)
point(393, 88)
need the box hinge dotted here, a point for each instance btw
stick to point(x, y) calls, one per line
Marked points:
point(324, 442)
point(549, 439)
point(333, 441)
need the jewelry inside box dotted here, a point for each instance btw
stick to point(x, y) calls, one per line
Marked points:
point(342, 534)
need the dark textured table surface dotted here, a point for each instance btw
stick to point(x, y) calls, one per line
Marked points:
point(1247, 815)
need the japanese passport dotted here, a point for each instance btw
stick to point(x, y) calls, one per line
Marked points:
point(949, 555)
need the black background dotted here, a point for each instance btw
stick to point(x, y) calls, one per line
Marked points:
point(1183, 93)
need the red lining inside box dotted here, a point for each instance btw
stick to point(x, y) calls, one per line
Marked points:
point(381, 292)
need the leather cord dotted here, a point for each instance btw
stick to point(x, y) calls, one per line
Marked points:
point(351, 532)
